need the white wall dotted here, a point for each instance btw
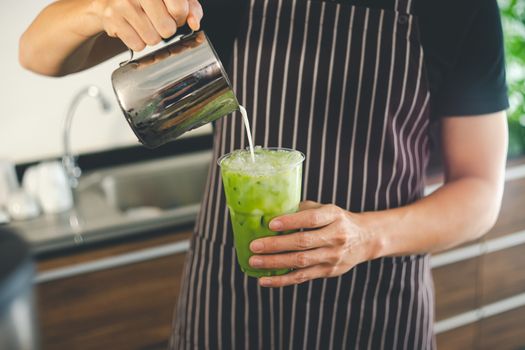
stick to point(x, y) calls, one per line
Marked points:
point(32, 107)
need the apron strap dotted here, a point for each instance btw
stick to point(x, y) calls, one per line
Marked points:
point(404, 6)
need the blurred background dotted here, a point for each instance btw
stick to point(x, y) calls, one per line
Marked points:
point(513, 15)
point(106, 259)
point(33, 107)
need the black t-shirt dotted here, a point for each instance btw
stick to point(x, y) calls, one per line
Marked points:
point(462, 41)
point(463, 45)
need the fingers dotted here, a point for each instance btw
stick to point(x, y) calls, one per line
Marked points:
point(298, 276)
point(291, 242)
point(308, 218)
point(297, 260)
point(125, 32)
point(179, 10)
point(195, 14)
point(160, 18)
point(145, 22)
point(142, 25)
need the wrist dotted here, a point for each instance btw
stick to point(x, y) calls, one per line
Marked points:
point(88, 23)
point(374, 235)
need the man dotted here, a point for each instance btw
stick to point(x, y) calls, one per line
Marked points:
point(355, 86)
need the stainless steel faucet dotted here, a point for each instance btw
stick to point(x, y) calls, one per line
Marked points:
point(73, 171)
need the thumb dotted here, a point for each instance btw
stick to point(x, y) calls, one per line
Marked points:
point(305, 205)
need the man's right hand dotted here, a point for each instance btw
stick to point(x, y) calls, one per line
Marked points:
point(139, 23)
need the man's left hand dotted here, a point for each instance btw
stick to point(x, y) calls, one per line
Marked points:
point(334, 241)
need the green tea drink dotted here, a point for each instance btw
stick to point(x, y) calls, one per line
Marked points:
point(256, 192)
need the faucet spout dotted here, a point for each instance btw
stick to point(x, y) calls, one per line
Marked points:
point(71, 167)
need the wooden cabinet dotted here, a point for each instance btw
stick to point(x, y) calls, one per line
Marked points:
point(480, 291)
point(480, 297)
point(503, 274)
point(456, 287)
point(505, 331)
point(463, 338)
point(125, 307)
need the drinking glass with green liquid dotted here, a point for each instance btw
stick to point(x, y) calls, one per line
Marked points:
point(258, 190)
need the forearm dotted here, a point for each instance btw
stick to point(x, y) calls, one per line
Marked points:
point(460, 211)
point(335, 240)
point(61, 39)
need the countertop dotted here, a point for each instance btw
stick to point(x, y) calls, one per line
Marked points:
point(99, 213)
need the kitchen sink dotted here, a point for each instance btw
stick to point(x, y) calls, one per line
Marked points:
point(124, 200)
point(157, 185)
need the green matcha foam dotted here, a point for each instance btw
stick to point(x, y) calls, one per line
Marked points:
point(267, 160)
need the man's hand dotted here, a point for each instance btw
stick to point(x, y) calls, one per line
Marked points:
point(333, 243)
point(145, 22)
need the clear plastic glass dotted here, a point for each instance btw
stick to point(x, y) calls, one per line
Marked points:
point(258, 192)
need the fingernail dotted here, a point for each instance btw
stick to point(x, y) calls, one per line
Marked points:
point(276, 225)
point(193, 23)
point(256, 246)
point(256, 261)
point(265, 282)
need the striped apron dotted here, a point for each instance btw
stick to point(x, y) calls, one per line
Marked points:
point(346, 85)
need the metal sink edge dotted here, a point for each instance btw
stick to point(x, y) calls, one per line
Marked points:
point(50, 233)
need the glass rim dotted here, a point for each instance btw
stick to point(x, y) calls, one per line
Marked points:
point(247, 149)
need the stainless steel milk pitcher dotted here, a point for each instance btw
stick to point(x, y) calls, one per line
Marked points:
point(176, 88)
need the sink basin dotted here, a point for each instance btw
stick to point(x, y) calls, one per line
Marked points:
point(158, 185)
point(124, 200)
